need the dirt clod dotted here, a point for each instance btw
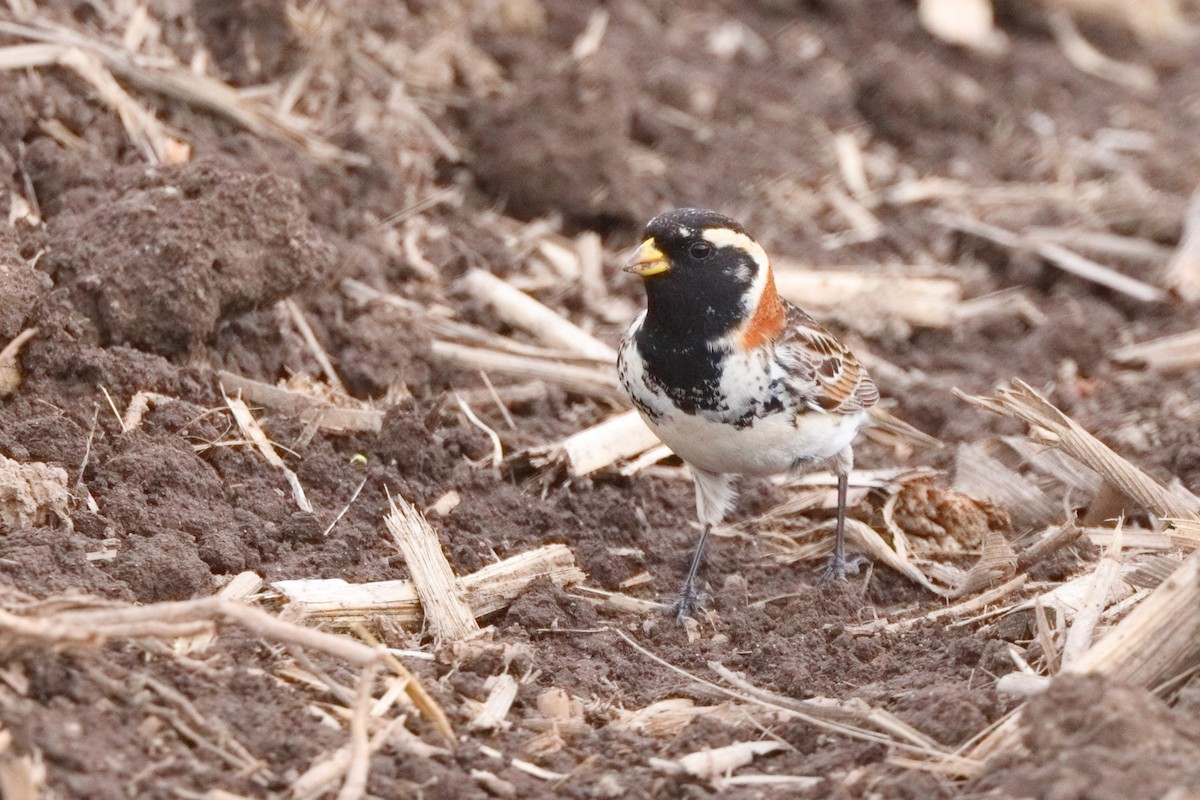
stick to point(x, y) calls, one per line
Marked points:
point(143, 264)
point(1086, 737)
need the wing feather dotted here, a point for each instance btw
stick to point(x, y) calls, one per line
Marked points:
point(824, 375)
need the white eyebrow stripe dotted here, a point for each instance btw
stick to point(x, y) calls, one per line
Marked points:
point(724, 237)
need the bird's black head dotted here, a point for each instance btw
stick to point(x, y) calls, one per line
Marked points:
point(703, 274)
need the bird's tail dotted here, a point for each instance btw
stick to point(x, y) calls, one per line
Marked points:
point(889, 430)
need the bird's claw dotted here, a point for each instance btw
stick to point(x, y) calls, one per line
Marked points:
point(840, 566)
point(689, 602)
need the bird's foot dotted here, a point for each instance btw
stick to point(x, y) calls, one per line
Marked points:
point(687, 603)
point(839, 567)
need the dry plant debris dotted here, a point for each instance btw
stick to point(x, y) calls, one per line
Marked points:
point(1053, 427)
point(445, 316)
point(523, 311)
point(715, 765)
point(1150, 19)
point(255, 435)
point(22, 776)
point(336, 602)
point(32, 494)
point(618, 438)
point(312, 403)
point(923, 300)
point(172, 80)
point(94, 627)
point(446, 612)
point(1182, 272)
point(1155, 644)
point(1057, 255)
point(1086, 58)
point(10, 371)
point(969, 24)
point(494, 710)
point(1178, 352)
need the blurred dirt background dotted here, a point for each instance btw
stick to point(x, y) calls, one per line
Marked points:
point(402, 145)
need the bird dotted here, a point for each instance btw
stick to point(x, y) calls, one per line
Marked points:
point(734, 379)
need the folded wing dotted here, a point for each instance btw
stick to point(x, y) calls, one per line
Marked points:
point(822, 373)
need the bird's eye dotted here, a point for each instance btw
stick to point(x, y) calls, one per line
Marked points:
point(701, 250)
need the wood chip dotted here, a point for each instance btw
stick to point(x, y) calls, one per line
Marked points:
point(522, 311)
point(587, 381)
point(969, 23)
point(327, 412)
point(714, 764)
point(446, 613)
point(615, 439)
point(1179, 352)
point(492, 715)
point(924, 301)
point(341, 604)
point(1182, 273)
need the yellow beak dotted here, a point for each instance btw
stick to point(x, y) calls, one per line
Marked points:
point(647, 261)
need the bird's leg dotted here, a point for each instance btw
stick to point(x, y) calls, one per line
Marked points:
point(689, 599)
point(838, 565)
point(715, 495)
point(835, 570)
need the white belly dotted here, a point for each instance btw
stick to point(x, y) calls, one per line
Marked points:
point(771, 445)
point(776, 442)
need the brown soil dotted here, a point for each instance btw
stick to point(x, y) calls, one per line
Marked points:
point(153, 278)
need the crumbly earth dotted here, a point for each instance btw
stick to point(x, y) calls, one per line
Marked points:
point(145, 278)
